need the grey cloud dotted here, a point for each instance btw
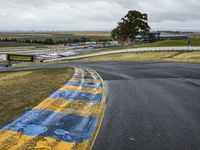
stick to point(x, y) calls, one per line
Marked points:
point(94, 14)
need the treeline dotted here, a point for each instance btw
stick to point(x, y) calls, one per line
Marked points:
point(47, 41)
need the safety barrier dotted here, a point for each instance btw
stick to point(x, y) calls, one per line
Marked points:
point(145, 49)
point(68, 119)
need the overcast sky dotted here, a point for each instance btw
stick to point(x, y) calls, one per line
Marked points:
point(96, 14)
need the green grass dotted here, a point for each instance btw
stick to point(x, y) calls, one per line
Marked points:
point(164, 43)
point(195, 42)
point(22, 90)
point(54, 36)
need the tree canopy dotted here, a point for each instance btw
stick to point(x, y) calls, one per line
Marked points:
point(133, 24)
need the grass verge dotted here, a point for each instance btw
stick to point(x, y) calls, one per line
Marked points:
point(22, 90)
point(163, 43)
point(180, 56)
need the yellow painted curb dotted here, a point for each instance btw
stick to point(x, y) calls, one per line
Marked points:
point(16, 140)
point(81, 89)
point(103, 108)
point(75, 107)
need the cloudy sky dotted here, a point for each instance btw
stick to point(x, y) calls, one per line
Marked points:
point(96, 14)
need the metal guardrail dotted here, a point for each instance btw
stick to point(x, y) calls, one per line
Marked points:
point(145, 49)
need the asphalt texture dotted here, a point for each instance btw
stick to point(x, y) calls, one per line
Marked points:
point(150, 105)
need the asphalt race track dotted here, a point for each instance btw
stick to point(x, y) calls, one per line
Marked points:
point(150, 105)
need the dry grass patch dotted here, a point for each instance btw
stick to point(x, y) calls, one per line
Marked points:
point(181, 56)
point(22, 90)
point(130, 56)
point(193, 57)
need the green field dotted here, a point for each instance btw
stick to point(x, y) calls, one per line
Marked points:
point(22, 90)
point(164, 43)
point(195, 42)
point(56, 36)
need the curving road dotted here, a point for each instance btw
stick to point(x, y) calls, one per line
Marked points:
point(150, 105)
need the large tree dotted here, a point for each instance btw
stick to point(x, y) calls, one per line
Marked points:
point(133, 24)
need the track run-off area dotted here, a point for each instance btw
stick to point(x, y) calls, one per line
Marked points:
point(70, 118)
point(150, 105)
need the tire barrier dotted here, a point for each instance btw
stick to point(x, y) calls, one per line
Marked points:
point(68, 119)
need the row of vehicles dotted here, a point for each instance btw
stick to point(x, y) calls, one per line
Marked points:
point(95, 44)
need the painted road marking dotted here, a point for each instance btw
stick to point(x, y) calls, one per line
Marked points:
point(85, 84)
point(18, 141)
point(62, 126)
point(69, 119)
point(82, 89)
point(85, 80)
point(92, 75)
point(73, 95)
point(86, 77)
point(76, 107)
